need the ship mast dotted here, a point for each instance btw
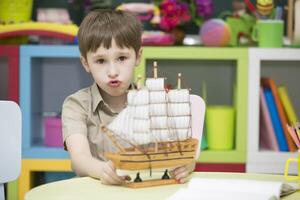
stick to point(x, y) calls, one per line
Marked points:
point(139, 82)
point(179, 81)
point(154, 69)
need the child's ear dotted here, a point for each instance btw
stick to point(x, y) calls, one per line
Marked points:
point(139, 57)
point(85, 64)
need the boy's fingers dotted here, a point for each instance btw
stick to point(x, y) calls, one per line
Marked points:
point(113, 179)
point(111, 165)
point(172, 173)
point(179, 170)
point(181, 175)
point(111, 173)
point(106, 180)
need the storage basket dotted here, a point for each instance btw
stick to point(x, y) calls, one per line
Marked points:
point(53, 132)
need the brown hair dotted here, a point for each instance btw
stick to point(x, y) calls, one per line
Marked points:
point(99, 27)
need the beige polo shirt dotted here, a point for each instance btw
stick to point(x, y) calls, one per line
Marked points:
point(82, 113)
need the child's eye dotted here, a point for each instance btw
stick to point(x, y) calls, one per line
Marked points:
point(122, 58)
point(100, 61)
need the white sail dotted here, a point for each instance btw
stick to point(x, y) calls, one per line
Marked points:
point(179, 113)
point(179, 109)
point(142, 112)
point(153, 115)
point(141, 138)
point(168, 135)
point(133, 123)
point(155, 84)
point(138, 97)
point(122, 124)
point(158, 97)
point(179, 122)
point(141, 125)
point(158, 109)
point(163, 135)
point(177, 96)
point(160, 122)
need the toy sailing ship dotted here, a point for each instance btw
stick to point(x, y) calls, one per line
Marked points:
point(154, 130)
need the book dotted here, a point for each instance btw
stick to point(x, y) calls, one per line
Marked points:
point(266, 131)
point(294, 135)
point(282, 144)
point(270, 83)
point(233, 189)
point(287, 105)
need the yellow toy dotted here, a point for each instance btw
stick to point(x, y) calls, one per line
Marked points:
point(265, 7)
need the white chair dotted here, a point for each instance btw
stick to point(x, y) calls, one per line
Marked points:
point(198, 113)
point(10, 143)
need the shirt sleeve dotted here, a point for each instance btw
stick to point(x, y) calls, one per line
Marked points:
point(74, 118)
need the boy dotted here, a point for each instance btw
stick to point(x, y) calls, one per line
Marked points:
point(110, 48)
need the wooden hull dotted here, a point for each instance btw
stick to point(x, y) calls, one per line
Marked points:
point(168, 155)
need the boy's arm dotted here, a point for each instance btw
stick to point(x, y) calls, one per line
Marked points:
point(85, 165)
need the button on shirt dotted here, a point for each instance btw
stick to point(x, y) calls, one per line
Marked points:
point(83, 113)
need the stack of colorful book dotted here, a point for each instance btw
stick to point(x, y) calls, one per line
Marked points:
point(276, 112)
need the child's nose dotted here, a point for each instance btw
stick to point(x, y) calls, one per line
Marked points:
point(112, 71)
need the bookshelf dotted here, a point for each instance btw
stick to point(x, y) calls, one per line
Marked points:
point(282, 65)
point(231, 74)
point(39, 93)
point(49, 73)
point(222, 69)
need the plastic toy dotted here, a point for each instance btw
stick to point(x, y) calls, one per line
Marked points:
point(62, 31)
point(157, 38)
point(145, 11)
point(262, 9)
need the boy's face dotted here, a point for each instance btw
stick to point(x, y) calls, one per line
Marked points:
point(112, 68)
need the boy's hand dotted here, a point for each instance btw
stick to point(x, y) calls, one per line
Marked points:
point(109, 175)
point(181, 173)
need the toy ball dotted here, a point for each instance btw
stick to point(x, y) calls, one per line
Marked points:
point(215, 32)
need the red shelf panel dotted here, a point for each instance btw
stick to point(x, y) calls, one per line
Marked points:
point(12, 54)
point(220, 167)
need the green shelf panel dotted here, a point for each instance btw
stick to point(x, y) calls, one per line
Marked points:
point(211, 156)
point(240, 55)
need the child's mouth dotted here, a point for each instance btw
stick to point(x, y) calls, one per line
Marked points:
point(114, 83)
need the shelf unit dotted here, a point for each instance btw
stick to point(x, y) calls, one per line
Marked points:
point(283, 65)
point(34, 68)
point(30, 166)
point(44, 69)
point(213, 58)
point(43, 72)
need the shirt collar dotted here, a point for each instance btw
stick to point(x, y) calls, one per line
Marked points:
point(99, 102)
point(96, 96)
